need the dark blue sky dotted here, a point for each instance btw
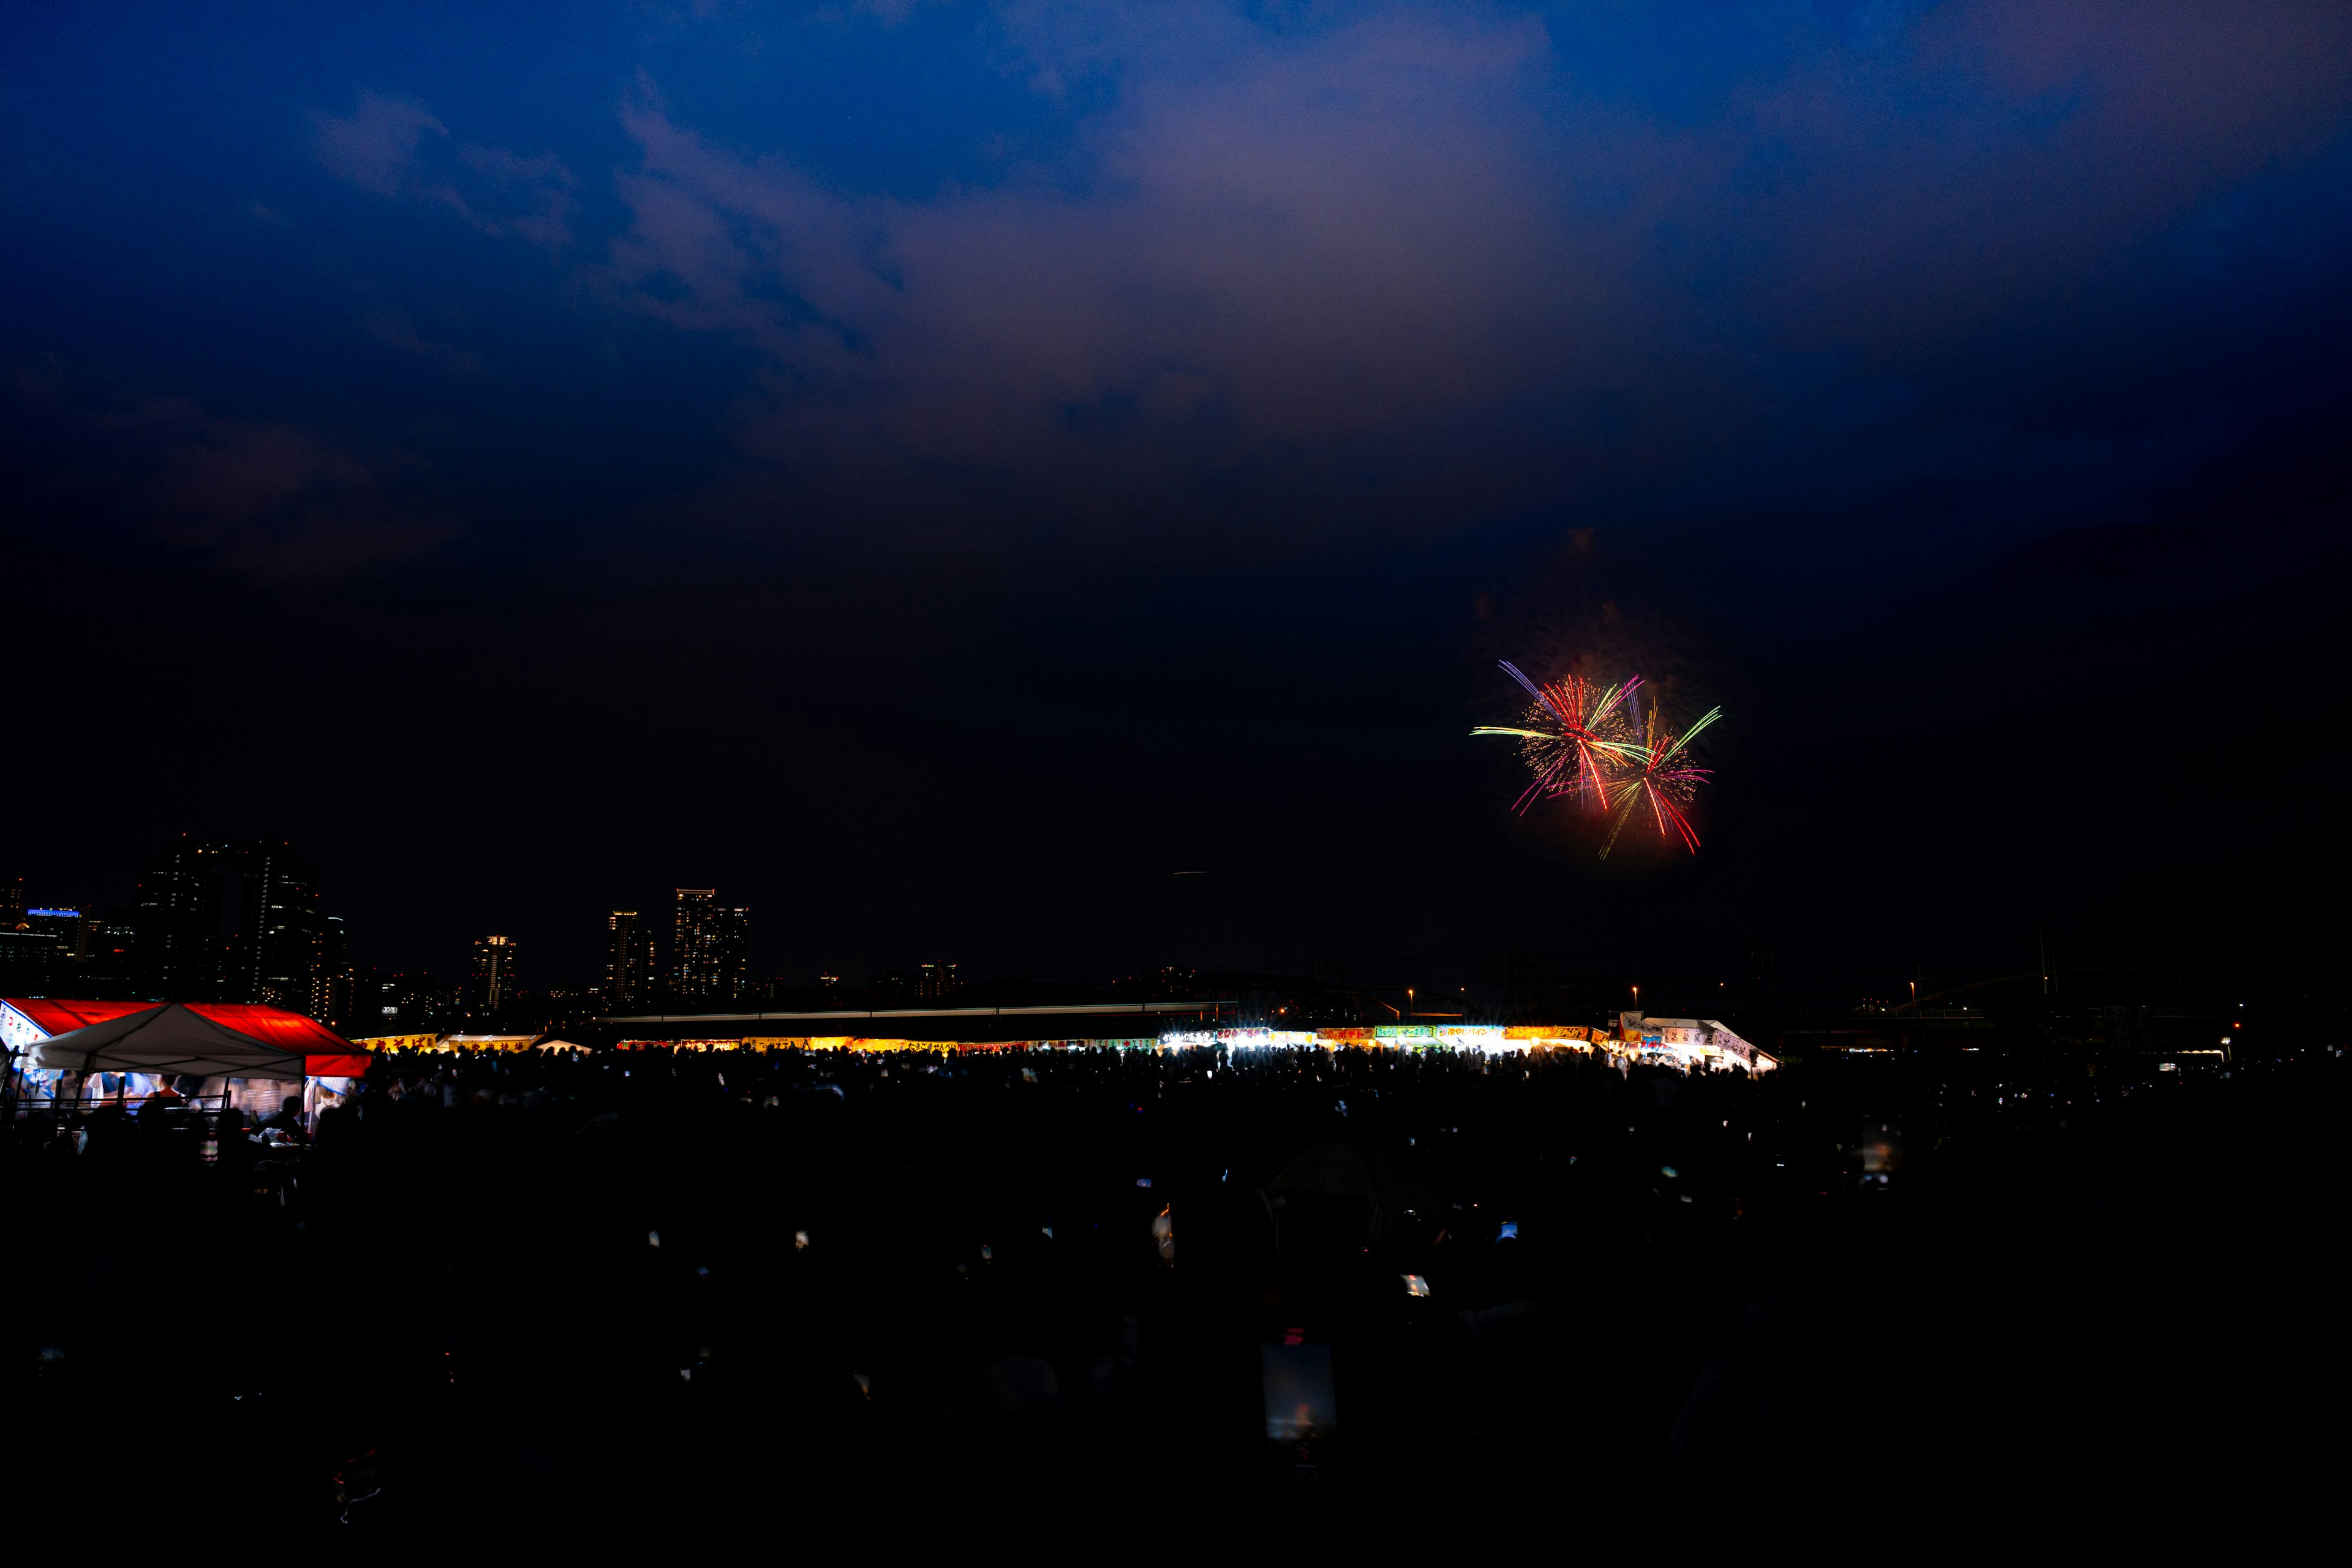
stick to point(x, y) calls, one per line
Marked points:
point(933, 471)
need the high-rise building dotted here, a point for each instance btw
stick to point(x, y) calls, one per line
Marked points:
point(709, 955)
point(175, 948)
point(935, 980)
point(37, 947)
point(630, 970)
point(102, 947)
point(228, 920)
point(62, 926)
point(690, 969)
point(330, 984)
point(494, 975)
point(731, 952)
point(275, 949)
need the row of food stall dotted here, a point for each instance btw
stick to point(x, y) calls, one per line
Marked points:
point(1682, 1043)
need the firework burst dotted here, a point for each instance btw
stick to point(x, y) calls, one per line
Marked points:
point(1664, 778)
point(1574, 738)
point(1584, 744)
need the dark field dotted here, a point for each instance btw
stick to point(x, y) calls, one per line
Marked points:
point(908, 1288)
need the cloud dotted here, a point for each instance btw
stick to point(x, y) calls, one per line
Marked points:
point(1283, 255)
point(2008, 157)
point(1411, 239)
point(376, 144)
point(395, 330)
point(392, 147)
point(527, 198)
point(1388, 268)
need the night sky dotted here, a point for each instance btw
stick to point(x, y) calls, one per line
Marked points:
point(935, 471)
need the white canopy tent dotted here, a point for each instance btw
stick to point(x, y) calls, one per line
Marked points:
point(170, 1039)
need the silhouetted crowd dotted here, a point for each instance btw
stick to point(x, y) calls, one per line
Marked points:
point(651, 1285)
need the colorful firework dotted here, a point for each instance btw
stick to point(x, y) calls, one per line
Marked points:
point(1666, 779)
point(1586, 745)
point(1575, 738)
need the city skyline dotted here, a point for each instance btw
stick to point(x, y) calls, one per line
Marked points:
point(238, 920)
point(346, 989)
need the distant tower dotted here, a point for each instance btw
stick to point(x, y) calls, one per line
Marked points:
point(104, 949)
point(709, 957)
point(330, 985)
point(36, 951)
point(690, 976)
point(494, 973)
point(175, 943)
point(230, 920)
point(629, 968)
point(275, 950)
point(730, 953)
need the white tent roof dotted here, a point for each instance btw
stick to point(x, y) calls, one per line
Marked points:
point(168, 1040)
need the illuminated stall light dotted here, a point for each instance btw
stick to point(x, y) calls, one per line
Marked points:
point(379, 1044)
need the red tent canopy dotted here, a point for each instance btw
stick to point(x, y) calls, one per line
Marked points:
point(232, 1039)
point(328, 1054)
point(55, 1016)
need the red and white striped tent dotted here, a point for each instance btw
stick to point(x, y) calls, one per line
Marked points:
point(26, 1021)
point(207, 1039)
